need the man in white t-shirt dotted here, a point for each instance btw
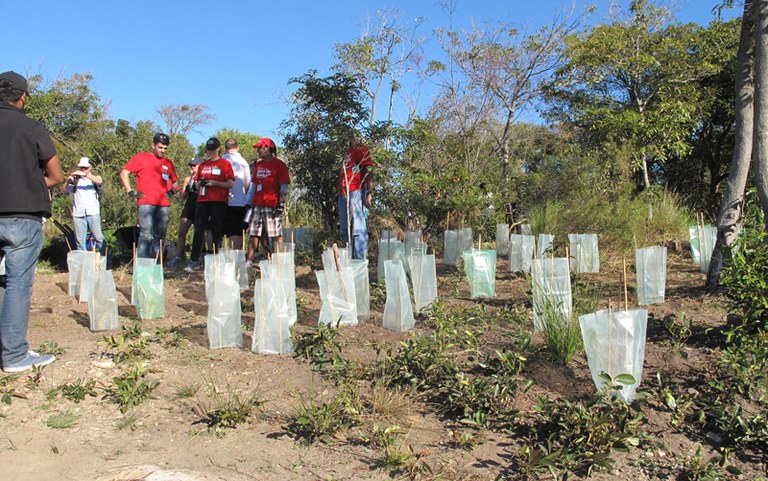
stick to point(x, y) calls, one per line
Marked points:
point(86, 211)
point(238, 202)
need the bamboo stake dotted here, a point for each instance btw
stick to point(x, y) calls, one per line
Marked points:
point(626, 295)
point(68, 245)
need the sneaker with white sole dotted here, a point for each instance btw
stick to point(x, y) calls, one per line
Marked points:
point(249, 264)
point(32, 359)
point(192, 266)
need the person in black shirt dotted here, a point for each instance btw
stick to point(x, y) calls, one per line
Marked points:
point(30, 167)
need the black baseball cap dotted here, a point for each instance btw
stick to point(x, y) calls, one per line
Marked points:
point(212, 144)
point(161, 138)
point(18, 82)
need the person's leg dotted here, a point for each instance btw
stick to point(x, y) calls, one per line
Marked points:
point(343, 227)
point(160, 220)
point(94, 224)
point(80, 226)
point(181, 240)
point(146, 220)
point(253, 247)
point(217, 212)
point(21, 241)
point(201, 221)
point(359, 225)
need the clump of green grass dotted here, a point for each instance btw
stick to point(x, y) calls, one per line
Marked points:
point(62, 420)
point(226, 409)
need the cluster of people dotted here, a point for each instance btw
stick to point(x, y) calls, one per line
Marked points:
point(222, 194)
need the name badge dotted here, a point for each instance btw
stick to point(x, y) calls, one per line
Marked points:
point(258, 187)
point(216, 171)
point(166, 176)
point(355, 170)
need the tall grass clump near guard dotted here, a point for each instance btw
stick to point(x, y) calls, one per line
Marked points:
point(562, 336)
point(622, 222)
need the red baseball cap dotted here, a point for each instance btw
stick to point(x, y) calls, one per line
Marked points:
point(264, 142)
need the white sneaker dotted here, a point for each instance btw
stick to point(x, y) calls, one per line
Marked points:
point(32, 359)
point(249, 264)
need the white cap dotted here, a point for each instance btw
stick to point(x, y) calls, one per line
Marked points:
point(84, 162)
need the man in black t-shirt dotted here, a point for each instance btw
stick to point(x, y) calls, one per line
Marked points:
point(30, 167)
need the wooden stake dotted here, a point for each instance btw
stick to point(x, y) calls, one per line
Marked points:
point(626, 295)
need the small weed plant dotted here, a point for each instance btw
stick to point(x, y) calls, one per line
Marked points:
point(132, 388)
point(8, 389)
point(125, 348)
point(695, 468)
point(319, 345)
point(50, 347)
point(75, 391)
point(679, 329)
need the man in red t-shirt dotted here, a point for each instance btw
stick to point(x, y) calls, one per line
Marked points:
point(155, 185)
point(213, 180)
point(270, 187)
point(355, 186)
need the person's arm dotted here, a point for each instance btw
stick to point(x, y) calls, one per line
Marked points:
point(96, 179)
point(125, 179)
point(368, 186)
point(67, 187)
point(185, 183)
point(53, 173)
point(227, 184)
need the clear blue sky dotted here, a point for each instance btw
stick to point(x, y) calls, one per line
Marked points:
point(236, 57)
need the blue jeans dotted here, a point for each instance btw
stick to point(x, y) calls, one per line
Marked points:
point(82, 225)
point(21, 241)
point(359, 227)
point(153, 224)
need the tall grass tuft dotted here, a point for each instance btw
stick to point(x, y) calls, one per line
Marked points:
point(562, 335)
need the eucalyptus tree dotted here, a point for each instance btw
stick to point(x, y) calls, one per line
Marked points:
point(746, 133)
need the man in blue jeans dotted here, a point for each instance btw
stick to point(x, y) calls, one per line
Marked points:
point(355, 188)
point(30, 167)
point(156, 183)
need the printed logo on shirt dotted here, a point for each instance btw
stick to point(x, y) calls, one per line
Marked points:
point(263, 172)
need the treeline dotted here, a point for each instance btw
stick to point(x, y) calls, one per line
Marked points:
point(635, 111)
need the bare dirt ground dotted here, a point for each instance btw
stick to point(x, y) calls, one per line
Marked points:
point(164, 438)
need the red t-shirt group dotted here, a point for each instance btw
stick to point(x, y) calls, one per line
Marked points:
point(154, 177)
point(355, 160)
point(268, 176)
point(219, 170)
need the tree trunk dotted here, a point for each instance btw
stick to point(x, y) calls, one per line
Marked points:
point(733, 196)
point(760, 142)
